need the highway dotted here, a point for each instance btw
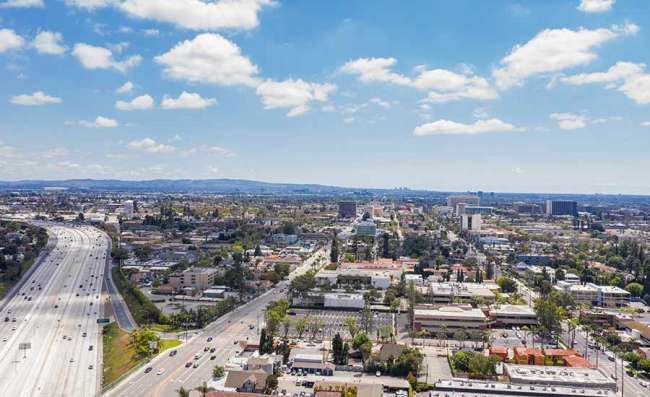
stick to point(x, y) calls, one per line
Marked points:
point(56, 311)
point(170, 373)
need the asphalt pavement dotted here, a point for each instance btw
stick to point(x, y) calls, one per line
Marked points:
point(47, 329)
point(169, 373)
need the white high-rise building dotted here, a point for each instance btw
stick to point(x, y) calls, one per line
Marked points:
point(128, 209)
point(470, 223)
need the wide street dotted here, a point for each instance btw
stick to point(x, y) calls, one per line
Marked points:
point(169, 373)
point(632, 386)
point(55, 312)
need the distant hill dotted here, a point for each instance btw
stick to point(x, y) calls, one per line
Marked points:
point(242, 186)
point(180, 185)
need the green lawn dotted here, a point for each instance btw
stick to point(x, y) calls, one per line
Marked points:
point(119, 354)
point(166, 344)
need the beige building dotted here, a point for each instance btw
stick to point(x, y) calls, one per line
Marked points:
point(513, 315)
point(453, 318)
point(199, 278)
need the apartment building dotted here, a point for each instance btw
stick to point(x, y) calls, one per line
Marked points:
point(195, 277)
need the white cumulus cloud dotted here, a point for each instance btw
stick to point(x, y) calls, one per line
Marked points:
point(447, 127)
point(553, 50)
point(9, 40)
point(570, 121)
point(22, 4)
point(375, 70)
point(442, 85)
point(187, 100)
point(645, 124)
point(208, 58)
point(198, 14)
point(49, 43)
point(143, 102)
point(149, 145)
point(593, 6)
point(126, 88)
point(100, 122)
point(93, 57)
point(626, 77)
point(38, 98)
point(297, 95)
point(89, 4)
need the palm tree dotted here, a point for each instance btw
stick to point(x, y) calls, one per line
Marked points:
point(203, 389)
point(182, 392)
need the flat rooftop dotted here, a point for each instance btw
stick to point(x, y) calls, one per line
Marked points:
point(473, 388)
point(559, 376)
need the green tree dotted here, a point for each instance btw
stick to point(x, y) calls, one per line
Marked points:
point(183, 392)
point(548, 317)
point(506, 284)
point(301, 326)
point(635, 289)
point(204, 389)
point(271, 384)
point(218, 372)
point(351, 325)
point(334, 252)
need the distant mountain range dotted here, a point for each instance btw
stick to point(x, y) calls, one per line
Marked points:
point(180, 185)
point(242, 186)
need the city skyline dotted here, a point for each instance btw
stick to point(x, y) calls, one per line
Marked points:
point(452, 96)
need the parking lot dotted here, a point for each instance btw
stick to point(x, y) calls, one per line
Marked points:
point(333, 321)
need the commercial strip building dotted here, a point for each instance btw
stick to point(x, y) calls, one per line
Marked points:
point(357, 278)
point(512, 316)
point(477, 388)
point(449, 318)
point(446, 293)
point(559, 376)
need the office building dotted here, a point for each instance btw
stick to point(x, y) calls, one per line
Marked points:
point(513, 316)
point(366, 229)
point(128, 209)
point(347, 209)
point(526, 208)
point(453, 201)
point(476, 209)
point(470, 223)
point(199, 278)
point(449, 318)
point(561, 208)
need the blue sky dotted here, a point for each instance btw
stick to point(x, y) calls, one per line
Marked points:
point(529, 96)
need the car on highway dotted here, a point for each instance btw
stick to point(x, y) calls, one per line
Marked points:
point(213, 357)
point(148, 369)
point(196, 364)
point(160, 371)
point(90, 366)
point(209, 339)
point(4, 339)
point(188, 364)
point(90, 348)
point(172, 353)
